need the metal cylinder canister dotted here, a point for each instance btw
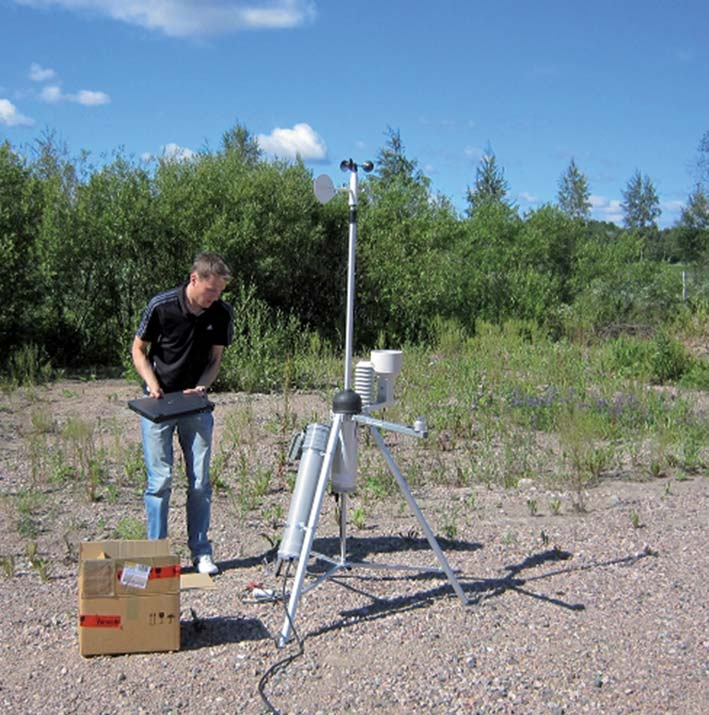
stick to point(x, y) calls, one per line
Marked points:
point(314, 446)
point(344, 466)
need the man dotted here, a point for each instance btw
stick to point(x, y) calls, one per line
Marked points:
point(178, 347)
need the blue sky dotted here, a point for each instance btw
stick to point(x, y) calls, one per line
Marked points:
point(619, 86)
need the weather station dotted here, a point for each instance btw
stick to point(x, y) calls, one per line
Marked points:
point(329, 453)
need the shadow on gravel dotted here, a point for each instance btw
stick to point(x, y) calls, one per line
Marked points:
point(248, 562)
point(207, 632)
point(488, 588)
point(358, 548)
point(478, 591)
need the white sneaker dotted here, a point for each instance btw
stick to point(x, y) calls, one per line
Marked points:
point(204, 564)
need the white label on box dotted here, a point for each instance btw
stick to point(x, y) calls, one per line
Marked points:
point(135, 575)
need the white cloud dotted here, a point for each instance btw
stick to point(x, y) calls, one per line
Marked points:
point(605, 209)
point(170, 152)
point(672, 206)
point(9, 116)
point(473, 153)
point(174, 152)
point(51, 94)
point(89, 98)
point(301, 141)
point(528, 198)
point(184, 18)
point(41, 74)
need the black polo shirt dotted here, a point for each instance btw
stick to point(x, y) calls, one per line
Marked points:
point(181, 342)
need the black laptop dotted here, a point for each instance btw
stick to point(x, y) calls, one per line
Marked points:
point(170, 406)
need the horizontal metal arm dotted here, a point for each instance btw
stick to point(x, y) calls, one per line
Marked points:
point(391, 426)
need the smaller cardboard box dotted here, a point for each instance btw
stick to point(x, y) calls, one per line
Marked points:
point(129, 597)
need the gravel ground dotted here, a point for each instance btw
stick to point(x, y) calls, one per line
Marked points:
point(601, 612)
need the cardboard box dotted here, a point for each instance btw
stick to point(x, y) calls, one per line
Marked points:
point(129, 597)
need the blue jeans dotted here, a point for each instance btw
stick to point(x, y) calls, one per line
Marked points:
point(194, 433)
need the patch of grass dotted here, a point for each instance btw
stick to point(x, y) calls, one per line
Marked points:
point(130, 528)
point(89, 460)
point(509, 538)
point(40, 564)
point(133, 464)
point(274, 516)
point(251, 484)
point(378, 484)
point(42, 421)
point(28, 366)
point(30, 504)
point(669, 360)
point(359, 517)
point(585, 455)
point(471, 501)
point(8, 565)
point(449, 523)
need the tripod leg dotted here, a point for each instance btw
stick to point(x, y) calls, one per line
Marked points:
point(419, 515)
point(310, 529)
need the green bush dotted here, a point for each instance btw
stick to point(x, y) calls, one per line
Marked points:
point(669, 360)
point(697, 375)
point(630, 357)
point(270, 349)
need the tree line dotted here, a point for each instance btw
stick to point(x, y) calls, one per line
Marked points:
point(84, 247)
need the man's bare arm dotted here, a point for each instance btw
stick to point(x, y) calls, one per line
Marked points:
point(139, 353)
point(211, 371)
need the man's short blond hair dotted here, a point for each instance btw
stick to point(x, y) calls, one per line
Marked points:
point(208, 264)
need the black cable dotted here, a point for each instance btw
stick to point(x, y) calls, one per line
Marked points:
point(279, 665)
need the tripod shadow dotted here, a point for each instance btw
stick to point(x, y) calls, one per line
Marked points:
point(359, 548)
point(207, 632)
point(478, 589)
point(488, 588)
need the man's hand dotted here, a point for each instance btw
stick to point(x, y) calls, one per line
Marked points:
point(155, 391)
point(199, 390)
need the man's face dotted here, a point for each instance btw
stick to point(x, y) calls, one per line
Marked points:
point(204, 291)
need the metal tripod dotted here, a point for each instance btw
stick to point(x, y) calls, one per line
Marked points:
point(342, 562)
